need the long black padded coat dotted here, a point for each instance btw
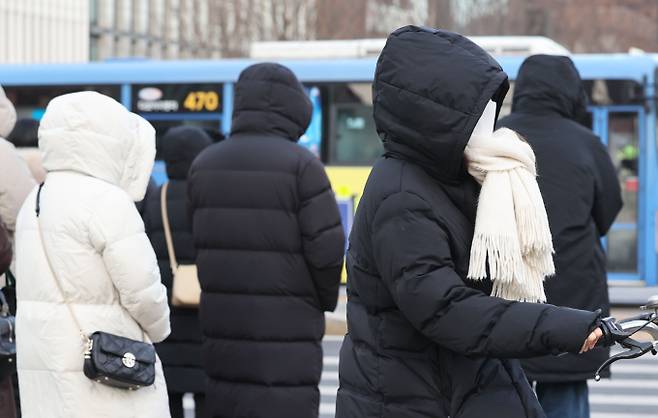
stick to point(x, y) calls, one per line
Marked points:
point(270, 253)
point(424, 341)
point(181, 351)
point(581, 193)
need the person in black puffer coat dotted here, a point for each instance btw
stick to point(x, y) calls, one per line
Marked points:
point(582, 196)
point(181, 352)
point(424, 341)
point(270, 253)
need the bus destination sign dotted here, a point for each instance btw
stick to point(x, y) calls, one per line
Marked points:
point(177, 98)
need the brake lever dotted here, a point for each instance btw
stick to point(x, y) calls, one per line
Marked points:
point(636, 349)
point(613, 333)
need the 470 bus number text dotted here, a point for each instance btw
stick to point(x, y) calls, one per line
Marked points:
point(198, 101)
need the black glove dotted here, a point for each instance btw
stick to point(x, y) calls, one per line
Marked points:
point(612, 332)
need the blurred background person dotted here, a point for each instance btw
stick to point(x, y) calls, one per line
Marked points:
point(582, 196)
point(215, 134)
point(181, 351)
point(25, 137)
point(270, 253)
point(16, 182)
point(7, 403)
point(100, 263)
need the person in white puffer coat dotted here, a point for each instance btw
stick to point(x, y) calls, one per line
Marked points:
point(98, 158)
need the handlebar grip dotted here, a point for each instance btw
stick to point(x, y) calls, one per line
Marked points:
point(612, 333)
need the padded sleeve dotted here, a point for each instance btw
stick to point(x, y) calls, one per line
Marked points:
point(117, 232)
point(322, 232)
point(607, 192)
point(412, 253)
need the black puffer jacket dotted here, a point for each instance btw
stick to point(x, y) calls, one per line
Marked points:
point(181, 351)
point(581, 193)
point(423, 341)
point(270, 252)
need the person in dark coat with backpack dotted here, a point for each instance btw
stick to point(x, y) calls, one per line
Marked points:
point(425, 341)
point(181, 351)
point(270, 253)
point(582, 196)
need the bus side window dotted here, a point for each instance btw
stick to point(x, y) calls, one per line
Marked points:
point(353, 139)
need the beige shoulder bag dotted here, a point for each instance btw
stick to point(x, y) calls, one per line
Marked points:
point(186, 291)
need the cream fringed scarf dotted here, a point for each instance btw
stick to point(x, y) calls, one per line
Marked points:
point(511, 228)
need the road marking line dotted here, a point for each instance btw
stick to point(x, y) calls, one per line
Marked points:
point(634, 368)
point(329, 376)
point(328, 390)
point(333, 338)
point(634, 400)
point(330, 360)
point(623, 383)
point(329, 408)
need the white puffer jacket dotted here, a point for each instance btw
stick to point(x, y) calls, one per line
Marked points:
point(98, 157)
point(15, 179)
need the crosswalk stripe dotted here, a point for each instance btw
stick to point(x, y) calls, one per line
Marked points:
point(624, 383)
point(327, 408)
point(635, 400)
point(635, 368)
point(329, 375)
point(328, 390)
point(331, 360)
point(333, 338)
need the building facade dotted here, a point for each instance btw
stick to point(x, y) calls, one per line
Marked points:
point(159, 29)
point(44, 31)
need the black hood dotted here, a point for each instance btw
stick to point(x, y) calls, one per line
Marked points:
point(270, 100)
point(25, 133)
point(180, 146)
point(550, 84)
point(431, 86)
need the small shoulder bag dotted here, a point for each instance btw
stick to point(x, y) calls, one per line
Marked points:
point(108, 359)
point(186, 291)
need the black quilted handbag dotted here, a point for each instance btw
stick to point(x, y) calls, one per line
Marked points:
point(108, 359)
point(7, 340)
point(119, 362)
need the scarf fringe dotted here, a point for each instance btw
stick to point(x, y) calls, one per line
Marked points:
point(519, 293)
point(541, 262)
point(501, 251)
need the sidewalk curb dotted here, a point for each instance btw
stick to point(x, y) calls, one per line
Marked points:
point(336, 323)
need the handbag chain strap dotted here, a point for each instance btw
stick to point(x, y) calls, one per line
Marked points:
point(84, 336)
point(167, 229)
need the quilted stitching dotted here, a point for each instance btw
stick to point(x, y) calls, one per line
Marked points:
point(107, 361)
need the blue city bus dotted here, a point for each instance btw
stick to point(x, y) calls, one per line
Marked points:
point(168, 93)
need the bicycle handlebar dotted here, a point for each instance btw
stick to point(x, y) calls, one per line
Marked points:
point(620, 332)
